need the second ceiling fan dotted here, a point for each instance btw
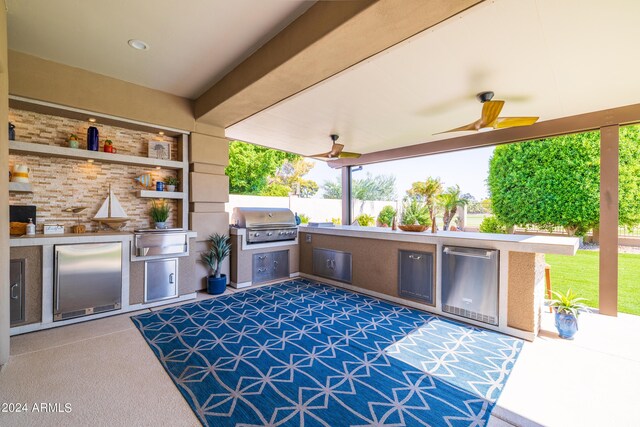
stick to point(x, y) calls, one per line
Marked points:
point(489, 117)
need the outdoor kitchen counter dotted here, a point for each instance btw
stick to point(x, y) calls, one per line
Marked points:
point(509, 242)
point(71, 238)
point(374, 258)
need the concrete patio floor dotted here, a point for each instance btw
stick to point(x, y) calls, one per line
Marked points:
point(105, 369)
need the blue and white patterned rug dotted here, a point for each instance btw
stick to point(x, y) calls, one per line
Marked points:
point(305, 353)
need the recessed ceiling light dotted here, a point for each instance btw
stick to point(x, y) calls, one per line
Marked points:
point(90, 160)
point(138, 44)
point(92, 120)
point(161, 133)
point(158, 167)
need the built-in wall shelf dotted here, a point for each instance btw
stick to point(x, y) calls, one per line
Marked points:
point(161, 194)
point(20, 187)
point(19, 147)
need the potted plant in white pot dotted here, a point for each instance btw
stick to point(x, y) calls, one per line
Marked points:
point(159, 213)
point(219, 249)
point(567, 308)
point(171, 183)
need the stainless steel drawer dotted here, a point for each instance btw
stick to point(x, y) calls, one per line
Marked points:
point(269, 266)
point(332, 264)
point(160, 279)
point(415, 275)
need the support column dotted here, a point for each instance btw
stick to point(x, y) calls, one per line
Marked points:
point(608, 230)
point(4, 193)
point(208, 191)
point(346, 195)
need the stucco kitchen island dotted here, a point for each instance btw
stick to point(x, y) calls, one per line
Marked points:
point(374, 255)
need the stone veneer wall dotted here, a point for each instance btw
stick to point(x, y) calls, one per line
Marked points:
point(60, 183)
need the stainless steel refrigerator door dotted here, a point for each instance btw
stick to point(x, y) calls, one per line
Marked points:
point(88, 279)
point(160, 279)
point(470, 283)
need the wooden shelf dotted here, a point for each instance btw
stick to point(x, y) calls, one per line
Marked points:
point(20, 187)
point(161, 194)
point(19, 147)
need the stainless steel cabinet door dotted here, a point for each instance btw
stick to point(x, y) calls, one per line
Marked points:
point(332, 264)
point(415, 275)
point(160, 279)
point(17, 284)
point(280, 264)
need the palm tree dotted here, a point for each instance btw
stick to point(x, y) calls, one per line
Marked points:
point(427, 191)
point(449, 201)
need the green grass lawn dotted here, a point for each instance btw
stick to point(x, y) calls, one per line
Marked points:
point(474, 220)
point(580, 273)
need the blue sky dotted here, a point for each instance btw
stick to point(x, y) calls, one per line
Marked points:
point(466, 168)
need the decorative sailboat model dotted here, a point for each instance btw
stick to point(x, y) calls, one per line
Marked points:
point(111, 212)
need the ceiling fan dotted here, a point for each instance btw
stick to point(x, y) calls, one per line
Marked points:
point(336, 151)
point(489, 118)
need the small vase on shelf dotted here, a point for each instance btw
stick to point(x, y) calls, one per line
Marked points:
point(93, 143)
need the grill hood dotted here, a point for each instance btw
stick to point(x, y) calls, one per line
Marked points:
point(262, 218)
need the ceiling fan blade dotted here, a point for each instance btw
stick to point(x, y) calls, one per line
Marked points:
point(320, 156)
point(347, 155)
point(490, 112)
point(510, 122)
point(470, 126)
point(336, 149)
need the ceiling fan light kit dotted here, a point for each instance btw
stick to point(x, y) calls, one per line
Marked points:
point(489, 119)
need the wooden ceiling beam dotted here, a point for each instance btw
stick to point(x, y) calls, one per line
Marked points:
point(327, 39)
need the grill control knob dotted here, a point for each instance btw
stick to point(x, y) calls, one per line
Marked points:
point(257, 234)
point(269, 233)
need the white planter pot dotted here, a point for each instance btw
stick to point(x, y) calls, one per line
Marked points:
point(171, 188)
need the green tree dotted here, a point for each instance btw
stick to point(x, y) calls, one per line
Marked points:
point(427, 191)
point(250, 167)
point(291, 174)
point(378, 187)
point(332, 189)
point(449, 200)
point(556, 181)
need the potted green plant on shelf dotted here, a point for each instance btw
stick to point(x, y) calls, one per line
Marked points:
point(219, 249)
point(171, 183)
point(567, 307)
point(415, 216)
point(385, 217)
point(159, 212)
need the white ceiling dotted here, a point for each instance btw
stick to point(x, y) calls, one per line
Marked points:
point(193, 42)
point(544, 57)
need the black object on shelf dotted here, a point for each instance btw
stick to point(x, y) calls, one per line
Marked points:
point(22, 213)
point(12, 132)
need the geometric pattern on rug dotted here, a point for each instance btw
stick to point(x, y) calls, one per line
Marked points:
point(306, 353)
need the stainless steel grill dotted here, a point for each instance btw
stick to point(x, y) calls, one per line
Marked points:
point(266, 224)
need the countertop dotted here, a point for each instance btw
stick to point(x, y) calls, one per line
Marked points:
point(511, 242)
point(70, 238)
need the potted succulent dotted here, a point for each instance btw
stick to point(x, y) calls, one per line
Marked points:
point(219, 249)
point(159, 213)
point(567, 308)
point(171, 183)
point(73, 141)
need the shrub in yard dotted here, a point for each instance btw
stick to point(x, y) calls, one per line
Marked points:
point(491, 224)
point(365, 220)
point(556, 181)
point(304, 219)
point(386, 215)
